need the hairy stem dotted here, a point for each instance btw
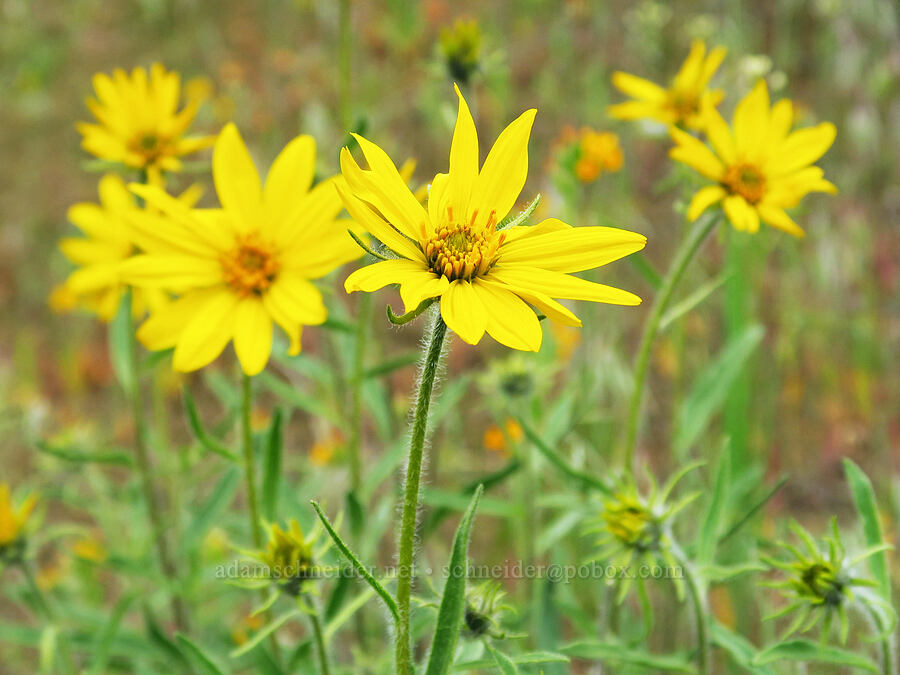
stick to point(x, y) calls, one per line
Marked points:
point(682, 257)
point(145, 471)
point(249, 461)
point(319, 636)
point(403, 647)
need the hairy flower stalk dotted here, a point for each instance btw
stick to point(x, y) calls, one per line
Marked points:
point(405, 554)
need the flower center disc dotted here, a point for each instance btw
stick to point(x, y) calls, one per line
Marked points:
point(149, 145)
point(684, 104)
point(250, 268)
point(747, 181)
point(462, 251)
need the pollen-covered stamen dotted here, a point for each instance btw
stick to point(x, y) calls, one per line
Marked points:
point(463, 250)
point(251, 267)
point(745, 180)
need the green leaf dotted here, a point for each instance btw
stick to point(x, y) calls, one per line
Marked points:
point(219, 499)
point(679, 309)
point(529, 659)
point(867, 508)
point(162, 641)
point(105, 637)
point(741, 650)
point(805, 651)
point(453, 602)
point(396, 363)
point(645, 268)
point(347, 611)
point(264, 632)
point(556, 460)
point(71, 453)
point(711, 387)
point(716, 510)
point(120, 344)
point(200, 434)
point(357, 565)
point(504, 663)
point(272, 468)
point(198, 657)
point(435, 497)
point(289, 393)
point(615, 652)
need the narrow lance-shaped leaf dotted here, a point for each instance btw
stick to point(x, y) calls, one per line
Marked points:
point(272, 468)
point(867, 508)
point(806, 651)
point(453, 601)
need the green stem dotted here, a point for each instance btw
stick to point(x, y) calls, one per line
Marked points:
point(320, 641)
point(68, 665)
point(355, 446)
point(403, 647)
point(701, 613)
point(887, 644)
point(344, 50)
point(145, 471)
point(249, 461)
point(682, 257)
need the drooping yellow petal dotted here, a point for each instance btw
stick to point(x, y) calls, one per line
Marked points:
point(206, 335)
point(463, 160)
point(236, 178)
point(509, 320)
point(421, 287)
point(297, 299)
point(559, 285)
point(252, 335)
point(743, 216)
point(164, 327)
point(503, 175)
point(572, 249)
point(463, 311)
point(704, 198)
point(696, 155)
point(777, 218)
point(378, 275)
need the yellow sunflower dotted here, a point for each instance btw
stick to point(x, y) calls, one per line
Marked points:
point(139, 123)
point(486, 277)
point(246, 265)
point(760, 167)
point(687, 99)
point(13, 519)
point(96, 285)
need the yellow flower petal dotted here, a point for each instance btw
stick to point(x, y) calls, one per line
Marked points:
point(372, 277)
point(720, 137)
point(463, 160)
point(802, 147)
point(206, 335)
point(696, 155)
point(171, 271)
point(463, 311)
point(688, 76)
point(164, 327)
point(635, 110)
point(236, 178)
point(509, 320)
point(297, 299)
point(751, 121)
point(572, 249)
point(252, 335)
point(291, 175)
point(779, 219)
point(638, 87)
point(743, 216)
point(559, 285)
point(704, 198)
point(503, 175)
point(421, 287)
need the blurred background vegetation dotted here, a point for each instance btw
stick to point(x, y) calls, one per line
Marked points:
point(823, 384)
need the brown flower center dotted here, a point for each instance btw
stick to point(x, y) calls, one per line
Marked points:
point(684, 104)
point(148, 145)
point(462, 250)
point(251, 267)
point(745, 180)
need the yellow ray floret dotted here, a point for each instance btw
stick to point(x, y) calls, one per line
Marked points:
point(138, 121)
point(686, 100)
point(96, 284)
point(760, 168)
point(12, 519)
point(488, 279)
point(243, 267)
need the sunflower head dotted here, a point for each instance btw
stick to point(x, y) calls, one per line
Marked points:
point(490, 271)
point(758, 166)
point(684, 103)
point(819, 582)
point(484, 611)
point(138, 122)
point(629, 520)
point(289, 557)
point(243, 268)
point(13, 521)
point(461, 49)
